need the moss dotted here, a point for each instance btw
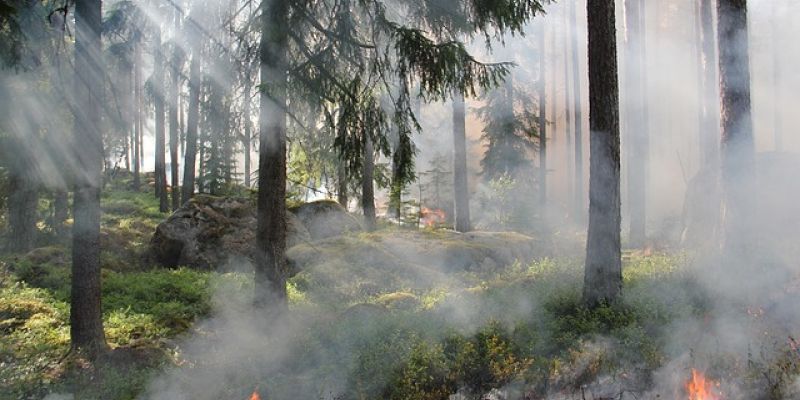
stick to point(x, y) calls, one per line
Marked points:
point(399, 300)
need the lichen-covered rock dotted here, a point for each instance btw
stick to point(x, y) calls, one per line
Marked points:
point(326, 218)
point(210, 232)
point(405, 261)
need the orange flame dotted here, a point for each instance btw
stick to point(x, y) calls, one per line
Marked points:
point(701, 388)
point(432, 217)
point(255, 396)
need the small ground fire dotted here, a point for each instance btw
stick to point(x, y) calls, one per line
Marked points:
point(432, 217)
point(701, 388)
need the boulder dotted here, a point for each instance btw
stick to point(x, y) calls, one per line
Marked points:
point(405, 261)
point(326, 218)
point(211, 232)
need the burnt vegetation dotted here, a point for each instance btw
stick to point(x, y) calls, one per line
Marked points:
point(398, 199)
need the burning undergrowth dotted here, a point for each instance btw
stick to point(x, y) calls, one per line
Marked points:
point(523, 334)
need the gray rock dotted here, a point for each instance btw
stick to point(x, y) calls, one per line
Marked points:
point(210, 232)
point(326, 218)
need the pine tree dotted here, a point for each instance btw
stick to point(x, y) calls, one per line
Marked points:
point(638, 136)
point(509, 132)
point(86, 319)
point(579, 210)
point(368, 185)
point(542, 121)
point(460, 184)
point(23, 191)
point(738, 149)
point(192, 120)
point(603, 269)
point(270, 275)
point(176, 65)
point(158, 100)
point(709, 95)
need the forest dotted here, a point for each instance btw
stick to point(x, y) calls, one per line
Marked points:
point(399, 199)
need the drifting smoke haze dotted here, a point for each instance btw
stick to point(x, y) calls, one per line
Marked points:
point(751, 312)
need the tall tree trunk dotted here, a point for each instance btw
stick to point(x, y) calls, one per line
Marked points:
point(128, 127)
point(181, 124)
point(248, 136)
point(738, 153)
point(228, 162)
point(176, 66)
point(396, 192)
point(341, 182)
point(579, 209)
point(189, 162)
point(202, 137)
point(542, 122)
point(270, 270)
point(710, 101)
point(701, 83)
point(137, 115)
point(160, 161)
point(460, 183)
point(777, 72)
point(603, 269)
point(553, 85)
point(22, 202)
point(86, 318)
point(60, 212)
point(637, 131)
point(368, 185)
point(398, 185)
point(568, 130)
point(127, 109)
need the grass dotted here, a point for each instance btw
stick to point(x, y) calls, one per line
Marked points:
point(500, 341)
point(378, 328)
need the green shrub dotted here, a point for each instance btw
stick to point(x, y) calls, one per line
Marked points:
point(425, 376)
point(174, 298)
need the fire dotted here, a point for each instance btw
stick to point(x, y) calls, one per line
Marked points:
point(701, 388)
point(255, 396)
point(432, 217)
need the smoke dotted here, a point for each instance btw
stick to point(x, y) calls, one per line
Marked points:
point(734, 321)
point(746, 317)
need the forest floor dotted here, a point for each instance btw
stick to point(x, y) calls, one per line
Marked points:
point(517, 329)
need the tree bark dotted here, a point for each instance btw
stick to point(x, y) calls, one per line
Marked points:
point(247, 137)
point(86, 319)
point(270, 269)
point(160, 154)
point(367, 185)
point(603, 269)
point(637, 131)
point(577, 103)
point(396, 193)
point(60, 212)
point(22, 202)
point(176, 66)
point(568, 129)
point(192, 118)
point(127, 102)
point(542, 122)
point(738, 149)
point(710, 100)
point(553, 86)
point(341, 181)
point(128, 110)
point(460, 182)
point(777, 73)
point(137, 115)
